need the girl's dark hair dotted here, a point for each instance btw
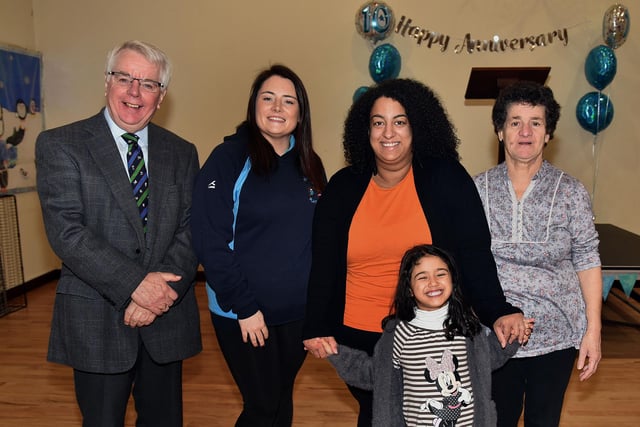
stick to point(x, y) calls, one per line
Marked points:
point(433, 133)
point(461, 320)
point(263, 156)
point(530, 93)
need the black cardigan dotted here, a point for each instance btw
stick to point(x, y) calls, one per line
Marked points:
point(457, 222)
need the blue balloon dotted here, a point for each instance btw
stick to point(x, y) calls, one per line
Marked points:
point(384, 63)
point(594, 112)
point(359, 92)
point(600, 66)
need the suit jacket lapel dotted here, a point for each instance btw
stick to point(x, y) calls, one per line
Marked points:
point(159, 177)
point(106, 156)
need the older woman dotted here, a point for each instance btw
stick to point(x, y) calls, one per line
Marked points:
point(546, 249)
point(404, 186)
point(252, 210)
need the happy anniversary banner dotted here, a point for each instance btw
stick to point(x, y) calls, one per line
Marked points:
point(429, 39)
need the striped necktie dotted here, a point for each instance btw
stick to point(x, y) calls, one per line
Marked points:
point(138, 176)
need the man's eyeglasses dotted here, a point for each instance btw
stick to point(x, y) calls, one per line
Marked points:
point(125, 80)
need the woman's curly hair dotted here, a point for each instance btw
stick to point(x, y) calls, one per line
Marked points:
point(433, 133)
point(529, 93)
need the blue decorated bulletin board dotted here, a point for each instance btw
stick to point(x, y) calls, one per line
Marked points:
point(21, 117)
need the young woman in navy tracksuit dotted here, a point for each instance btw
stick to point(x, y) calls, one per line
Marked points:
point(251, 218)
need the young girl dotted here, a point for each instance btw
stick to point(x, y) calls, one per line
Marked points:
point(432, 366)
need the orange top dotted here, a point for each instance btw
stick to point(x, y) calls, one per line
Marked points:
point(388, 221)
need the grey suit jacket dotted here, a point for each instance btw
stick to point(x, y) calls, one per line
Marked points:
point(93, 225)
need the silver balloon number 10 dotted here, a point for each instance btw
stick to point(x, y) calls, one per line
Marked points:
point(374, 21)
point(377, 20)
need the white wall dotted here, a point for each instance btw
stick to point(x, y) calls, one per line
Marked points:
point(16, 29)
point(218, 47)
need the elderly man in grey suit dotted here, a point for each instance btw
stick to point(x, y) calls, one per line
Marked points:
point(115, 192)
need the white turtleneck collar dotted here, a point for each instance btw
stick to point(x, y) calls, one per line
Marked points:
point(433, 320)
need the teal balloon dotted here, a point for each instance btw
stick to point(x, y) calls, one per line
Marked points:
point(384, 63)
point(600, 66)
point(594, 112)
point(359, 92)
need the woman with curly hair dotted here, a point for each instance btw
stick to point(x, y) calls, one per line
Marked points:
point(403, 186)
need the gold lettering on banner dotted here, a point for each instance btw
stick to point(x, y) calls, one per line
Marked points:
point(433, 39)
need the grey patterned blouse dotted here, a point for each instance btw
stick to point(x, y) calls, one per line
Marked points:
point(539, 243)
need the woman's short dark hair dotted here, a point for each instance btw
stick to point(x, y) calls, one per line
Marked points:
point(433, 133)
point(461, 320)
point(262, 154)
point(529, 93)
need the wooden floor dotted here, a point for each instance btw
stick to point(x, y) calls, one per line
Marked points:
point(36, 393)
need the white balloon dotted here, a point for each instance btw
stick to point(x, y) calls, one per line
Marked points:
point(615, 26)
